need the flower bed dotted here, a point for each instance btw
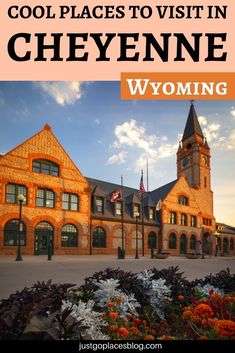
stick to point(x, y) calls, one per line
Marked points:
point(114, 304)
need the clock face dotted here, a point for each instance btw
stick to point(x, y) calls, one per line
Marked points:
point(185, 162)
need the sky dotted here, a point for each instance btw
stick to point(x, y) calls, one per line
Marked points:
point(107, 137)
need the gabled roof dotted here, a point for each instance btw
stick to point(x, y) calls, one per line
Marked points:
point(162, 192)
point(149, 202)
point(192, 125)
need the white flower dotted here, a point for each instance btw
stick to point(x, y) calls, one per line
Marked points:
point(92, 319)
point(207, 288)
point(145, 276)
point(108, 292)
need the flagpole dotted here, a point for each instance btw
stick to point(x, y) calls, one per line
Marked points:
point(147, 175)
point(142, 206)
point(122, 214)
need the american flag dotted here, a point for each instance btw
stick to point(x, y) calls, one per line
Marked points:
point(141, 189)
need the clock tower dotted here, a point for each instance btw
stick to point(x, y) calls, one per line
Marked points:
point(193, 156)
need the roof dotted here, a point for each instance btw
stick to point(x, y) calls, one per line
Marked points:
point(131, 196)
point(192, 125)
point(226, 228)
point(161, 193)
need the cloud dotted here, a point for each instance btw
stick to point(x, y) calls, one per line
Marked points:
point(23, 113)
point(97, 121)
point(232, 112)
point(230, 141)
point(118, 158)
point(64, 93)
point(210, 130)
point(141, 145)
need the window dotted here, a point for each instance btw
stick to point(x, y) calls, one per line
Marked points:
point(172, 241)
point(45, 167)
point(99, 203)
point(193, 242)
point(45, 198)
point(152, 240)
point(183, 200)
point(70, 202)
point(193, 222)
point(136, 211)
point(151, 213)
point(69, 236)
point(13, 190)
point(99, 238)
point(205, 183)
point(11, 233)
point(172, 218)
point(183, 219)
point(118, 208)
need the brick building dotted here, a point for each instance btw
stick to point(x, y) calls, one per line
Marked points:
point(76, 214)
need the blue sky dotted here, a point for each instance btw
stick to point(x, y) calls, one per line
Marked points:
point(107, 137)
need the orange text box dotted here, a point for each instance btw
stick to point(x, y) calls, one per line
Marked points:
point(184, 85)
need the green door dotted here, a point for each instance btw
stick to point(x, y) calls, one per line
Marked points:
point(43, 239)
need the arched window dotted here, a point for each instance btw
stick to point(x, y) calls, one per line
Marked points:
point(45, 167)
point(11, 233)
point(193, 242)
point(183, 200)
point(152, 240)
point(231, 244)
point(172, 241)
point(69, 236)
point(99, 238)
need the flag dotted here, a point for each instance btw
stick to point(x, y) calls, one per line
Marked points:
point(116, 196)
point(141, 189)
point(159, 205)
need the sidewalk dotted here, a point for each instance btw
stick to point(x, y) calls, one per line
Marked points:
point(15, 275)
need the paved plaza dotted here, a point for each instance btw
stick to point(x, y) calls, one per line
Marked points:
point(73, 269)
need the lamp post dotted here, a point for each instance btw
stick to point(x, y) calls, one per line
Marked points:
point(136, 236)
point(216, 234)
point(21, 199)
point(202, 233)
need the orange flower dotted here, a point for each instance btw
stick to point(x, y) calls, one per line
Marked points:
point(113, 315)
point(134, 330)
point(225, 328)
point(215, 297)
point(136, 321)
point(187, 315)
point(149, 338)
point(203, 310)
point(129, 316)
point(113, 328)
point(181, 297)
point(110, 304)
point(167, 338)
point(123, 331)
point(202, 338)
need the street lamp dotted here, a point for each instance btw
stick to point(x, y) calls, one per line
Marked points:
point(21, 199)
point(202, 233)
point(136, 236)
point(216, 234)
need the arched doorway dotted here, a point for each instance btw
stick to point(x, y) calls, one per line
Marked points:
point(206, 244)
point(183, 244)
point(43, 238)
point(152, 240)
point(225, 246)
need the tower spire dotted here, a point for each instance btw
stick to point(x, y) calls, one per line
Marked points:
point(192, 125)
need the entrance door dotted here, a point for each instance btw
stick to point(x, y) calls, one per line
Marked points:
point(43, 239)
point(183, 244)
